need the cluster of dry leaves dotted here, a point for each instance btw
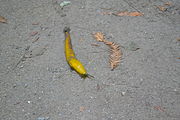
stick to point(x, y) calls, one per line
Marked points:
point(115, 52)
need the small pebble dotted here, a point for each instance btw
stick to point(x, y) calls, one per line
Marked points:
point(123, 93)
point(21, 66)
point(29, 102)
point(25, 85)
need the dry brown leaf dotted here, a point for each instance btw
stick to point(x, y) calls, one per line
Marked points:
point(99, 37)
point(3, 20)
point(115, 52)
point(126, 13)
point(81, 109)
point(107, 13)
point(178, 57)
point(162, 8)
point(168, 3)
point(135, 14)
point(178, 39)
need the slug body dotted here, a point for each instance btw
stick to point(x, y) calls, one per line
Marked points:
point(71, 59)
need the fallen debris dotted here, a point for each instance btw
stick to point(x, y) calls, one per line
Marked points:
point(168, 3)
point(3, 20)
point(64, 3)
point(164, 7)
point(115, 52)
point(126, 13)
point(99, 37)
point(123, 13)
point(178, 39)
point(81, 109)
point(107, 13)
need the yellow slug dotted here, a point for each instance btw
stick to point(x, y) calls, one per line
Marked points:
point(74, 63)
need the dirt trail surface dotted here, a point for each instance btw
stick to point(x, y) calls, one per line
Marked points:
point(36, 83)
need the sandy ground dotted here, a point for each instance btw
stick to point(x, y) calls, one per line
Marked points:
point(37, 84)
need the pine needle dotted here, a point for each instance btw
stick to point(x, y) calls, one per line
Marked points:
point(115, 52)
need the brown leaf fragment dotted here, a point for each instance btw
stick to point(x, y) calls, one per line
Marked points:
point(99, 36)
point(162, 8)
point(108, 42)
point(3, 20)
point(168, 3)
point(178, 39)
point(81, 109)
point(135, 14)
point(107, 13)
point(178, 57)
point(126, 13)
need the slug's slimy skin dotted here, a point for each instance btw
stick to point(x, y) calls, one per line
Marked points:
point(74, 63)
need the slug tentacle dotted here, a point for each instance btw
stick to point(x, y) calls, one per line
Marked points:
point(66, 29)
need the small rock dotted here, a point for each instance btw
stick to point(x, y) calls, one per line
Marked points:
point(25, 85)
point(21, 66)
point(123, 93)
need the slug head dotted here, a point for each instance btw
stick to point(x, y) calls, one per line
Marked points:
point(66, 29)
